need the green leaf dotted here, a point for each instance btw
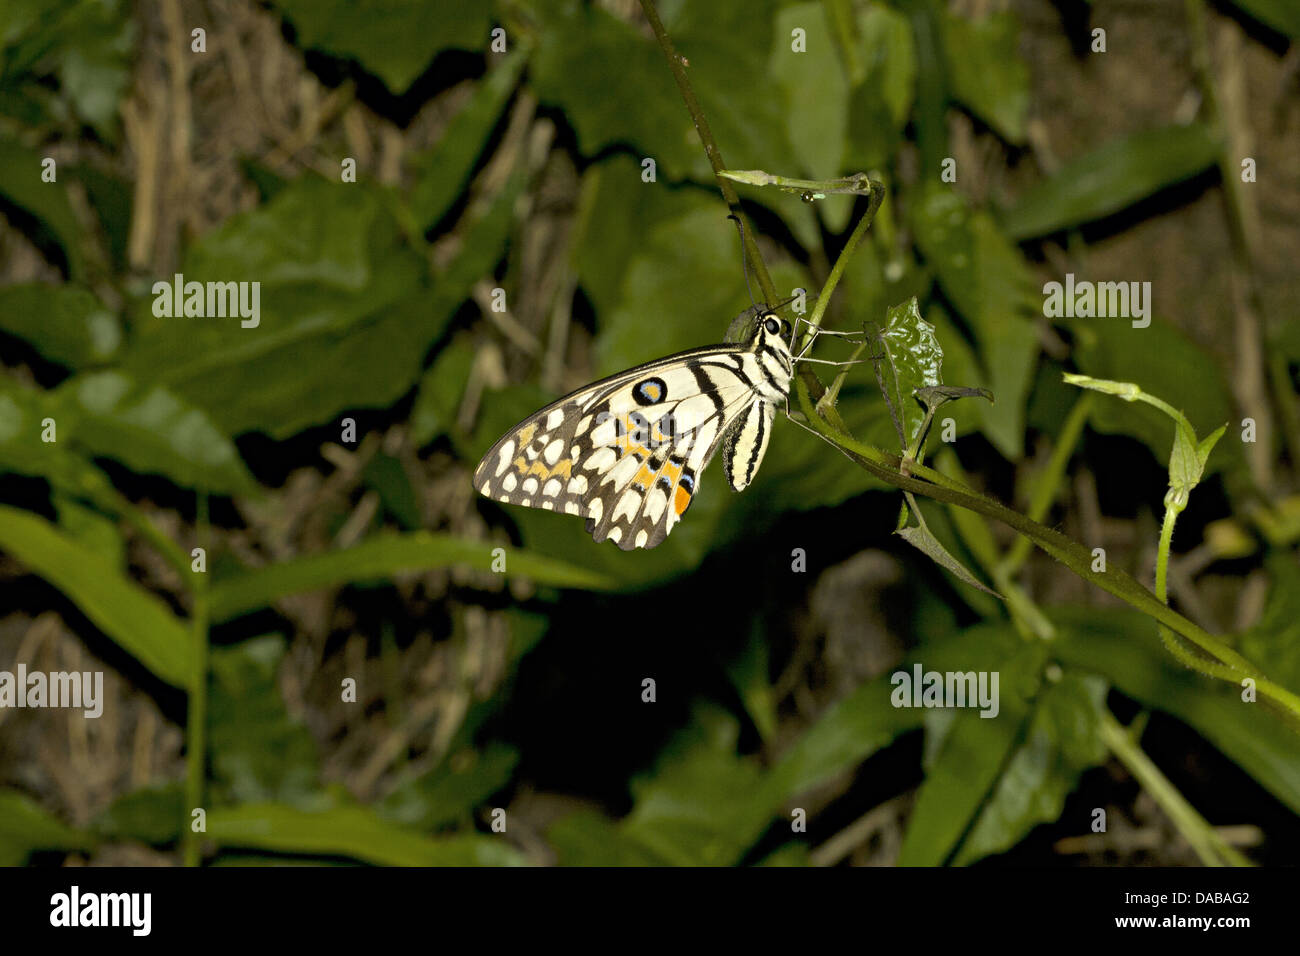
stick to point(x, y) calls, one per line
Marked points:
point(907, 356)
point(702, 805)
point(849, 732)
point(986, 73)
point(1275, 640)
point(748, 674)
point(816, 94)
point(445, 169)
point(149, 430)
point(20, 183)
point(1061, 742)
point(615, 87)
point(1110, 178)
point(352, 831)
point(975, 750)
point(82, 49)
point(151, 815)
point(451, 792)
point(23, 450)
point(1121, 645)
point(439, 393)
point(921, 538)
point(91, 529)
point(393, 39)
point(25, 827)
point(387, 475)
point(64, 323)
point(345, 318)
point(380, 557)
point(136, 620)
point(258, 752)
point(987, 279)
point(1282, 15)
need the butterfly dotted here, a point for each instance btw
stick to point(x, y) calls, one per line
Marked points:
point(627, 452)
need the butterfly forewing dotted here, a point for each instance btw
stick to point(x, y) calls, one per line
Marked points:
point(626, 453)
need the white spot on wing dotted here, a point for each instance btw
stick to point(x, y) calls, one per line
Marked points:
point(530, 485)
point(510, 482)
point(505, 456)
point(554, 419)
point(595, 509)
point(553, 452)
point(552, 488)
point(642, 537)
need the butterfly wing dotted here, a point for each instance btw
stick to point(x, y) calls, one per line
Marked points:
point(625, 452)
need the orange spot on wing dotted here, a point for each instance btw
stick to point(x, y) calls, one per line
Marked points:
point(521, 465)
point(645, 477)
point(683, 499)
point(526, 434)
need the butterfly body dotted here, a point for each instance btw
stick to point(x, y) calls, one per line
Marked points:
point(626, 452)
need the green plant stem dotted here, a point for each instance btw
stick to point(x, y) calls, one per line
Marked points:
point(842, 260)
point(197, 710)
point(710, 148)
point(1049, 481)
point(932, 484)
point(1209, 846)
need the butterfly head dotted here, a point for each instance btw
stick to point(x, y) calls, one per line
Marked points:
point(771, 343)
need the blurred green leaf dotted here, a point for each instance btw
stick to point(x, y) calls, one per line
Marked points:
point(748, 673)
point(987, 279)
point(136, 620)
point(149, 430)
point(25, 827)
point(352, 831)
point(451, 792)
point(702, 805)
point(386, 475)
point(345, 318)
point(976, 750)
point(380, 557)
point(615, 86)
point(1282, 15)
point(151, 815)
point(1061, 742)
point(986, 73)
point(441, 388)
point(21, 184)
point(258, 752)
point(83, 48)
point(1275, 641)
point(1121, 645)
point(849, 732)
point(91, 529)
point(792, 854)
point(393, 39)
point(443, 171)
point(64, 323)
point(1110, 178)
point(816, 95)
point(22, 450)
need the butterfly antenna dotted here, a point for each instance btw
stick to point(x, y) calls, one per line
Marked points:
point(744, 259)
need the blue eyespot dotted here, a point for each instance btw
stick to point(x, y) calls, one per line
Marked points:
point(650, 391)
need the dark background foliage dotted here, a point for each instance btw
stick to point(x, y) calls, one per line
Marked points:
point(333, 558)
